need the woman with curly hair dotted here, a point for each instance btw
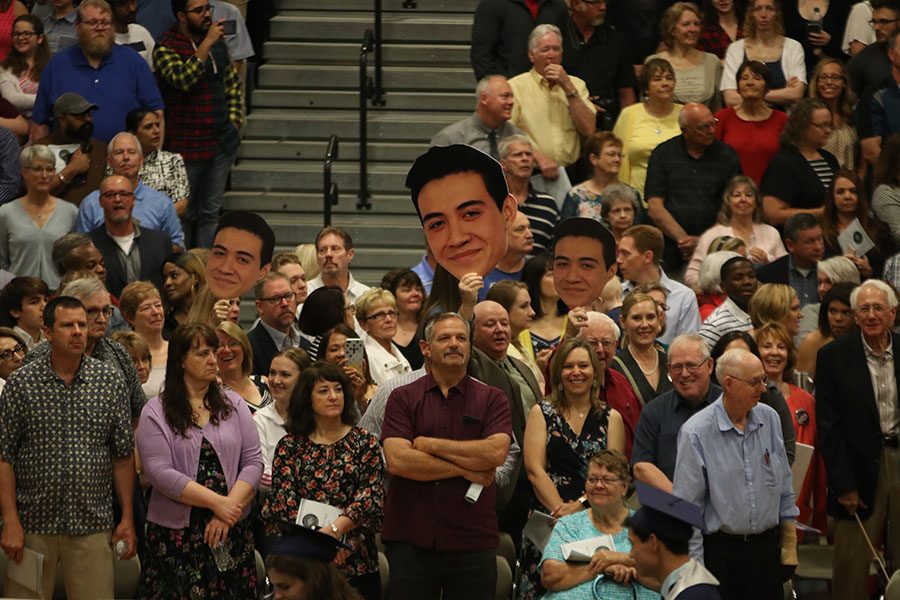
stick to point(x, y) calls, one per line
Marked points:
point(799, 175)
point(829, 83)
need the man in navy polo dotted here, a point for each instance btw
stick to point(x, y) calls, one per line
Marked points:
point(115, 78)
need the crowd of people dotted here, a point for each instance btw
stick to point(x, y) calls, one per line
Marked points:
point(653, 275)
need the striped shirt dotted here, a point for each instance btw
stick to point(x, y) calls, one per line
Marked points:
point(543, 214)
point(727, 317)
point(823, 171)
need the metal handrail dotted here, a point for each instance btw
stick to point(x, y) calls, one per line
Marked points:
point(366, 89)
point(330, 188)
point(378, 90)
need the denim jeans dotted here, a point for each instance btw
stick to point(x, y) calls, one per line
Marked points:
point(207, 179)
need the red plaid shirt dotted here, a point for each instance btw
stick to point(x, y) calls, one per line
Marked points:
point(203, 99)
point(714, 40)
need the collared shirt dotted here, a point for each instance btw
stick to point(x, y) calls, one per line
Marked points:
point(130, 261)
point(384, 365)
point(355, 289)
point(472, 131)
point(543, 215)
point(656, 436)
point(741, 480)
point(373, 418)
point(113, 354)
point(60, 33)
point(435, 514)
point(152, 209)
point(619, 395)
point(884, 384)
point(121, 83)
point(683, 314)
point(727, 317)
point(61, 440)
point(425, 273)
point(806, 285)
point(542, 111)
point(282, 340)
point(164, 172)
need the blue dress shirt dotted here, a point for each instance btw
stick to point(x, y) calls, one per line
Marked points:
point(152, 209)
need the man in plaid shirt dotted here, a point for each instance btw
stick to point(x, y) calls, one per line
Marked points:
point(204, 110)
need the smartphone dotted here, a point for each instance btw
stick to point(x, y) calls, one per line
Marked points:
point(814, 27)
point(229, 27)
point(354, 349)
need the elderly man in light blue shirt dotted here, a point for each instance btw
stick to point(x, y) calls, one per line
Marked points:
point(732, 464)
point(152, 209)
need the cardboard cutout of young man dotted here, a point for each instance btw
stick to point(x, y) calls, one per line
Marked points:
point(584, 259)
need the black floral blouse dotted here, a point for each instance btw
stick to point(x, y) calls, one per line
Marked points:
point(348, 474)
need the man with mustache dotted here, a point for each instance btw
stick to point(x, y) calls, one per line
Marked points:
point(442, 433)
point(84, 168)
point(205, 109)
point(276, 304)
point(130, 252)
point(334, 253)
point(98, 70)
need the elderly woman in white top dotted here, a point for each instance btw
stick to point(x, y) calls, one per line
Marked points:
point(30, 224)
point(837, 269)
point(376, 311)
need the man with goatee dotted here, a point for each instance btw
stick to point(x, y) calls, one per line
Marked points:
point(115, 78)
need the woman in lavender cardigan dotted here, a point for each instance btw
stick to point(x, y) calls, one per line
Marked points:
point(200, 452)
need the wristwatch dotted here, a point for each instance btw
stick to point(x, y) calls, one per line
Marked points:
point(335, 529)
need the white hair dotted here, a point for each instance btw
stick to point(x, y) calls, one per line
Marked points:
point(484, 83)
point(686, 339)
point(879, 285)
point(730, 363)
point(125, 134)
point(506, 143)
point(839, 269)
point(540, 31)
point(599, 318)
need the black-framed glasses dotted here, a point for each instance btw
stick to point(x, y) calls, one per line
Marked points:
point(107, 312)
point(606, 481)
point(113, 194)
point(25, 35)
point(381, 316)
point(278, 299)
point(17, 349)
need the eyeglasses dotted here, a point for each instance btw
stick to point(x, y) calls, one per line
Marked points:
point(677, 368)
point(25, 35)
point(606, 342)
point(755, 382)
point(381, 316)
point(875, 309)
point(662, 306)
point(882, 22)
point(200, 10)
point(8, 354)
point(825, 77)
point(606, 481)
point(93, 313)
point(96, 23)
point(113, 194)
point(350, 308)
point(42, 170)
point(278, 299)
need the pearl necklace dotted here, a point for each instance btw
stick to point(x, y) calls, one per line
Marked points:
point(641, 367)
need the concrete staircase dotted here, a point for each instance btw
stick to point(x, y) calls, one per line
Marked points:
point(308, 90)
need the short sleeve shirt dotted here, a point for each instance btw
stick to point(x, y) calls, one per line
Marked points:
point(61, 440)
point(435, 514)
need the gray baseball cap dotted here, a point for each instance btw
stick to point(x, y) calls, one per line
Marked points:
point(71, 103)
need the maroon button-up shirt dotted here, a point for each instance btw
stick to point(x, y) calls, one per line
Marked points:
point(435, 514)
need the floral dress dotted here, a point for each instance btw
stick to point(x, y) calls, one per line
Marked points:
point(567, 460)
point(348, 474)
point(178, 564)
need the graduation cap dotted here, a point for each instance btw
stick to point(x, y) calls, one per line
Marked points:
point(306, 543)
point(666, 515)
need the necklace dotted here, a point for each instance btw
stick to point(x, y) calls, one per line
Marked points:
point(641, 367)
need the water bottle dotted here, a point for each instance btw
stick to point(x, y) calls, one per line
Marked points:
point(222, 555)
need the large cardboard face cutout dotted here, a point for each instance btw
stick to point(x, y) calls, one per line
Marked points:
point(583, 260)
point(456, 190)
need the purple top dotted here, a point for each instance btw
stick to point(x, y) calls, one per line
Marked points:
point(170, 461)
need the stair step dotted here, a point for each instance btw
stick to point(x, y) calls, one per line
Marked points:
point(396, 79)
point(310, 203)
point(462, 102)
point(321, 124)
point(350, 26)
point(314, 151)
point(367, 230)
point(347, 53)
point(265, 175)
point(455, 6)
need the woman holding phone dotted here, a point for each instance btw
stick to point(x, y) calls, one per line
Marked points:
point(343, 347)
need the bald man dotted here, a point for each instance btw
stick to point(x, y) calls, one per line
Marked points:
point(686, 178)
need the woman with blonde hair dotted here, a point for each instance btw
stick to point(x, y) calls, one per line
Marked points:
point(142, 308)
point(697, 73)
point(640, 358)
point(561, 435)
point(376, 311)
point(776, 303)
point(235, 360)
